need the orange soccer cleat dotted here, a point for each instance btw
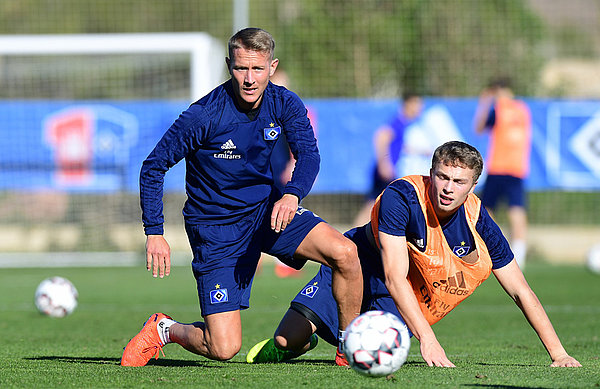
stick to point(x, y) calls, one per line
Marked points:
point(340, 358)
point(145, 345)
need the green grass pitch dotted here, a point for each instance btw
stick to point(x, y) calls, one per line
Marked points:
point(486, 337)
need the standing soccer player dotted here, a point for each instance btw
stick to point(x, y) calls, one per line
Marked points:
point(509, 122)
point(233, 211)
point(389, 142)
point(429, 244)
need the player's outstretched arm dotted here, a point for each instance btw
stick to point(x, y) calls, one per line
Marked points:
point(158, 256)
point(512, 280)
point(394, 254)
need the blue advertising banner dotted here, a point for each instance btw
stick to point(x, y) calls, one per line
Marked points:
point(82, 146)
point(565, 142)
point(99, 146)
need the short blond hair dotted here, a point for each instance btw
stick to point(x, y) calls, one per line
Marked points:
point(456, 153)
point(252, 38)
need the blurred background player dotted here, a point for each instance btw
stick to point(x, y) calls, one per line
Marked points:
point(508, 121)
point(388, 142)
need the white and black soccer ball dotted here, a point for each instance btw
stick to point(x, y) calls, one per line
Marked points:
point(376, 343)
point(56, 297)
point(593, 259)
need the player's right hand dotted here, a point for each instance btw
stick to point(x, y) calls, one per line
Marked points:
point(565, 361)
point(158, 256)
point(434, 354)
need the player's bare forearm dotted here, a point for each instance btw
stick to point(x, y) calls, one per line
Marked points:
point(538, 319)
point(408, 306)
point(158, 256)
point(382, 141)
point(513, 282)
point(395, 259)
point(431, 350)
point(386, 170)
point(394, 256)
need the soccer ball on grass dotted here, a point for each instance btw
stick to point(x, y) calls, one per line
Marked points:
point(56, 297)
point(376, 343)
point(593, 259)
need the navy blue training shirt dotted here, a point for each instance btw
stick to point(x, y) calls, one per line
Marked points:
point(400, 214)
point(227, 154)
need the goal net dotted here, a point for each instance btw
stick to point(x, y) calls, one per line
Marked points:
point(79, 115)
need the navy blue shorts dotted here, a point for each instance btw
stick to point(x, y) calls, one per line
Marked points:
point(503, 188)
point(317, 297)
point(226, 256)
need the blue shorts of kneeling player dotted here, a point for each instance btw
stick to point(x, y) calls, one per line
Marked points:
point(315, 301)
point(226, 256)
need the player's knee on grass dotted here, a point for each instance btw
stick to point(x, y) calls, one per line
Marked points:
point(281, 342)
point(297, 344)
point(222, 335)
point(224, 351)
point(221, 346)
point(294, 331)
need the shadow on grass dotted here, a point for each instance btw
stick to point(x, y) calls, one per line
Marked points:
point(306, 361)
point(504, 386)
point(506, 364)
point(186, 363)
point(116, 361)
point(331, 362)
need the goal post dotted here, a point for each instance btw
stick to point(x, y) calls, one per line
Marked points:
point(206, 53)
point(79, 115)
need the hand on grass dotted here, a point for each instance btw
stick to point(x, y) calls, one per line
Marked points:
point(434, 354)
point(566, 361)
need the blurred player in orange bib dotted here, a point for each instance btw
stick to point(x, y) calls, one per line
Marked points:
point(429, 244)
point(509, 122)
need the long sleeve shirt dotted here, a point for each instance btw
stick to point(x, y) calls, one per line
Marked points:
point(227, 154)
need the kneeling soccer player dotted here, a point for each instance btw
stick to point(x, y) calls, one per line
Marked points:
point(429, 244)
point(233, 210)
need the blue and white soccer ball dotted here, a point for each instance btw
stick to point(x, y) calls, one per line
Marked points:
point(376, 343)
point(56, 297)
point(593, 259)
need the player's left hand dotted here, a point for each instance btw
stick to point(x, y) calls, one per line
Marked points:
point(283, 212)
point(566, 361)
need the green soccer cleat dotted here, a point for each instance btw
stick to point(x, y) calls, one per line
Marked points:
point(266, 352)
